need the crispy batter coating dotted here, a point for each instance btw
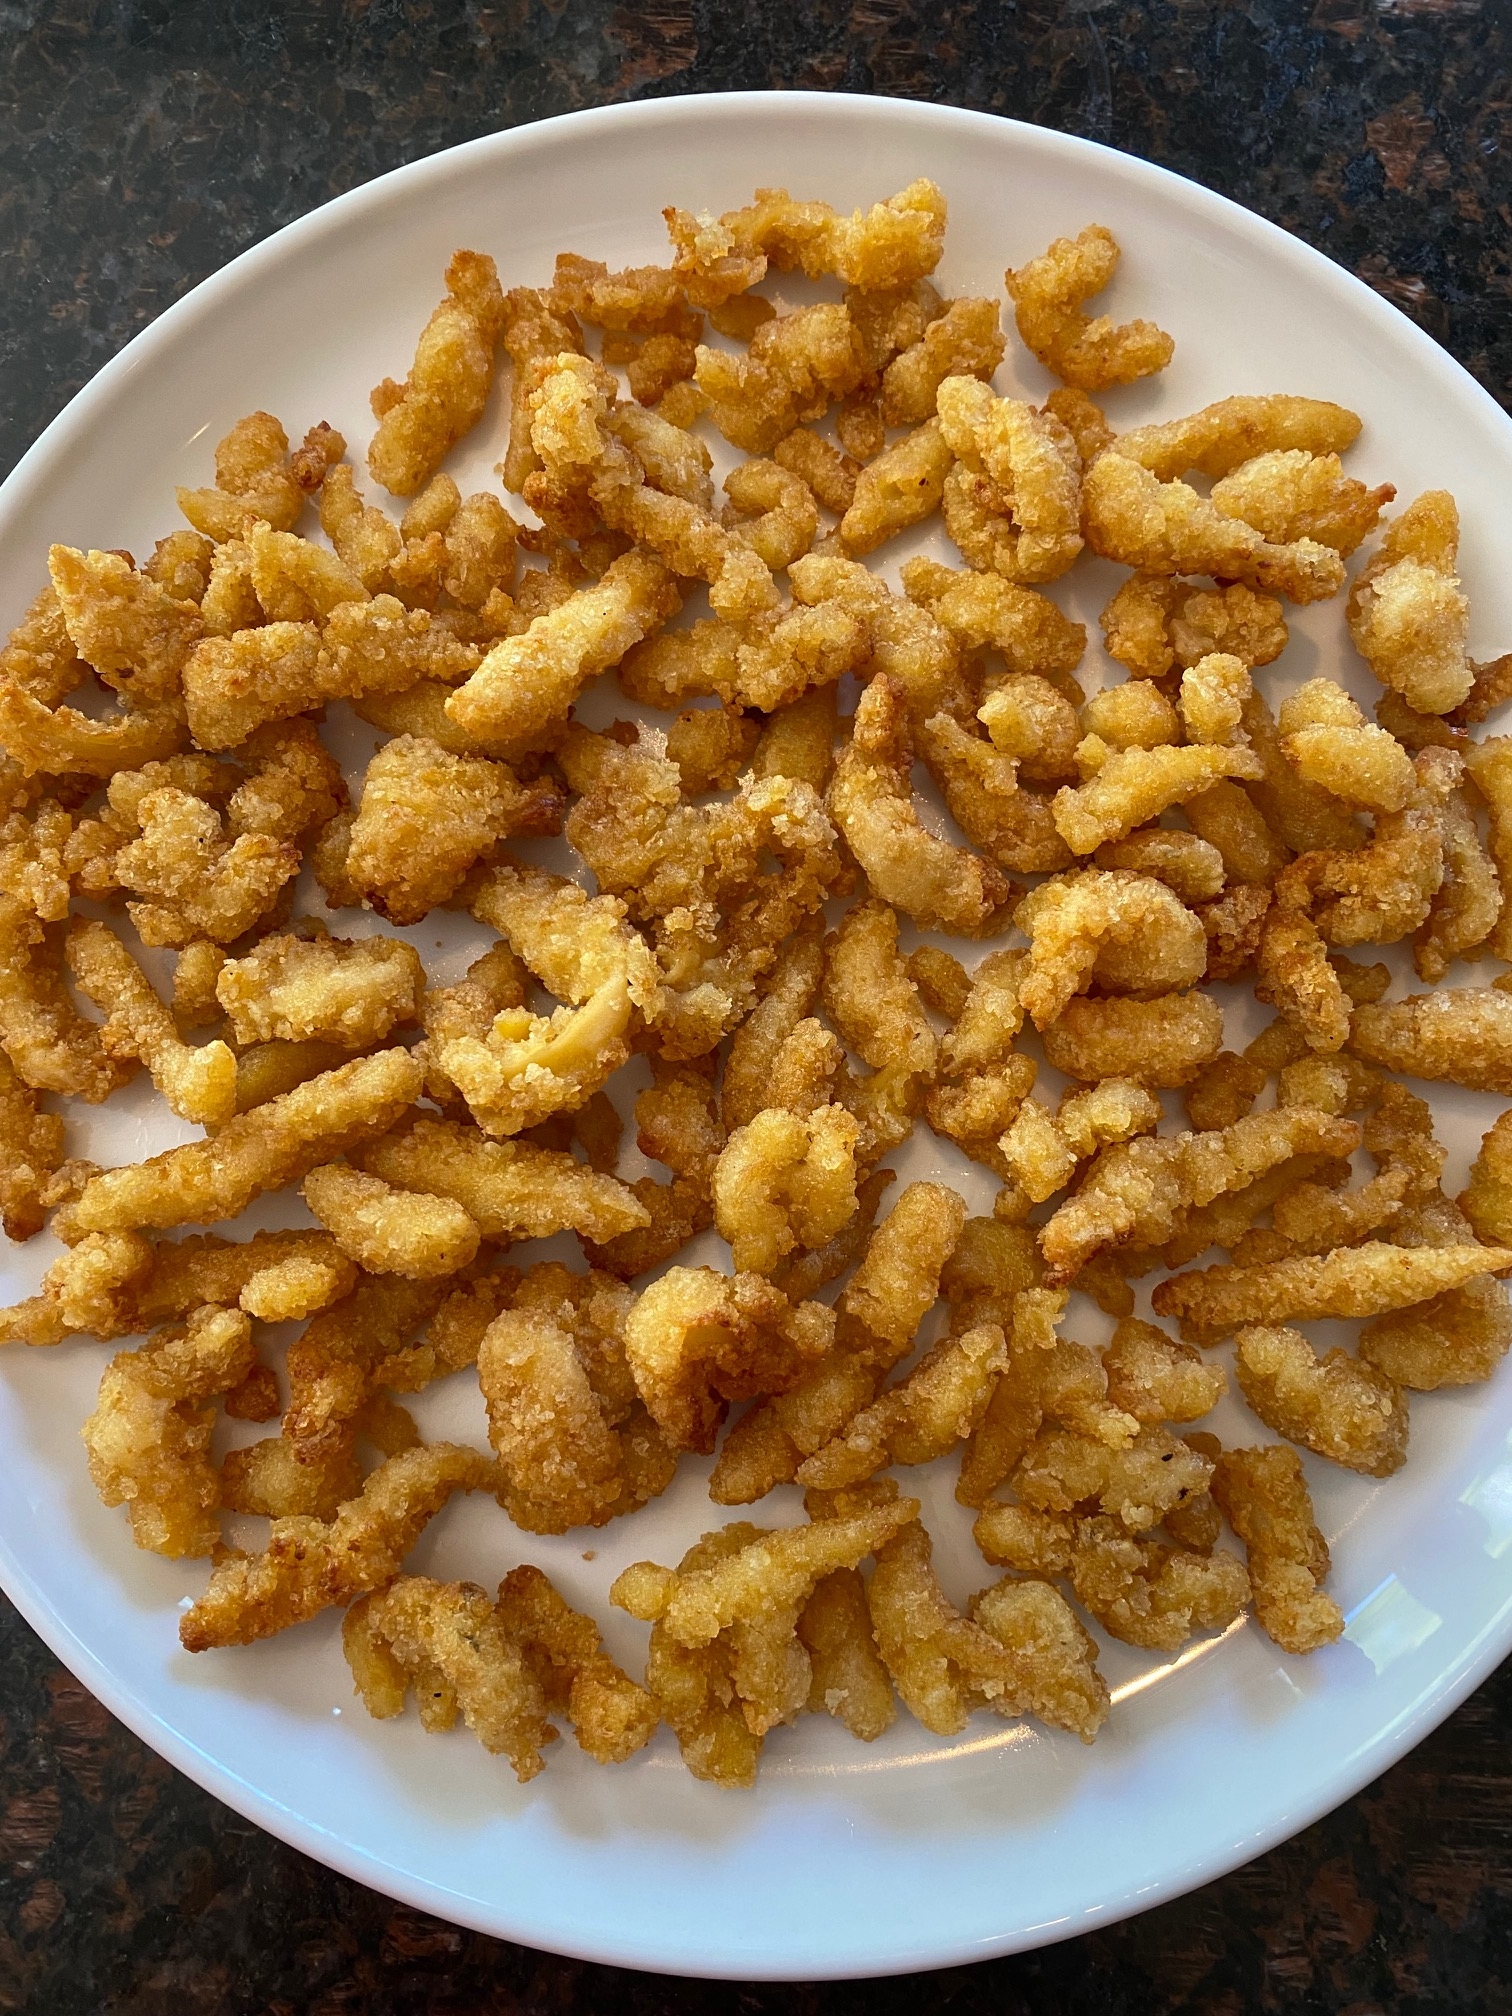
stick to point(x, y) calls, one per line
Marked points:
point(965, 341)
point(1012, 500)
point(47, 1041)
point(891, 245)
point(199, 1083)
point(1288, 494)
point(1130, 515)
point(1295, 976)
point(939, 886)
point(1364, 1280)
point(350, 991)
point(696, 1340)
point(984, 609)
point(785, 1180)
point(1047, 295)
point(1155, 624)
point(1265, 1499)
point(1137, 1191)
point(310, 1564)
point(31, 1148)
point(848, 1679)
point(611, 1716)
point(422, 420)
point(1460, 1034)
point(1219, 437)
point(1191, 866)
point(1129, 932)
point(149, 1436)
point(923, 1417)
point(1490, 766)
point(510, 1189)
point(1333, 746)
point(1150, 1593)
point(1487, 1199)
point(1407, 616)
point(1020, 1652)
point(133, 632)
point(448, 1642)
point(1336, 1405)
point(389, 1231)
point(898, 488)
point(262, 1150)
point(1163, 1042)
point(1131, 787)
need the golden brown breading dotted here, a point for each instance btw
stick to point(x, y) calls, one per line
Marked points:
point(199, 1082)
point(350, 991)
point(1407, 616)
point(1047, 295)
point(422, 420)
point(1266, 1500)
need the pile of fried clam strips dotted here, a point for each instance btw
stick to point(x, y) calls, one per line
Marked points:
point(869, 868)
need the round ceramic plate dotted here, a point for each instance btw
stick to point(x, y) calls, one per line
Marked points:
point(847, 1859)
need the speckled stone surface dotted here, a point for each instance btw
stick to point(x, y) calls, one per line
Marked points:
point(145, 142)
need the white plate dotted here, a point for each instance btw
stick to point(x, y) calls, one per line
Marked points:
point(847, 1859)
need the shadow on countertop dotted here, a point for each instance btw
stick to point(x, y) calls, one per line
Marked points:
point(143, 143)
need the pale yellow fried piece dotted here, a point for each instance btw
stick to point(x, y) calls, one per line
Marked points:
point(773, 509)
point(893, 244)
point(1466, 908)
point(189, 877)
point(697, 1340)
point(366, 539)
point(1163, 1042)
point(1021, 1652)
point(1460, 1034)
point(525, 1067)
point(1213, 693)
point(1130, 515)
point(869, 995)
point(711, 746)
point(296, 581)
point(784, 1181)
point(199, 1083)
point(536, 327)
point(898, 1279)
point(1157, 1378)
point(134, 634)
point(1228, 819)
point(923, 1417)
point(38, 667)
point(829, 473)
point(1042, 1150)
point(984, 609)
point(966, 340)
point(1487, 1199)
point(898, 488)
point(1030, 720)
point(848, 1679)
point(758, 1042)
point(1191, 866)
point(573, 943)
point(1224, 1090)
point(149, 1436)
point(1490, 766)
point(1300, 816)
point(569, 1455)
point(1407, 615)
point(31, 1148)
point(1155, 624)
point(1134, 786)
point(422, 420)
point(257, 477)
point(1365, 1280)
point(1014, 827)
point(1288, 494)
point(350, 991)
point(905, 641)
point(611, 1716)
point(427, 817)
point(871, 800)
point(1047, 295)
point(1219, 437)
point(1137, 1482)
point(49, 1044)
point(1134, 715)
point(1137, 1191)
point(1336, 1405)
point(262, 1150)
point(793, 369)
point(1012, 505)
point(1333, 746)
point(942, 981)
point(1295, 977)
point(311, 1564)
point(1455, 1339)
point(1265, 1499)
point(274, 1276)
point(1144, 1591)
point(1380, 892)
point(527, 682)
point(1129, 932)
point(511, 1189)
point(448, 1642)
point(389, 1231)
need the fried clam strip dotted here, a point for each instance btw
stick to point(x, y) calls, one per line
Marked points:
point(31, 1149)
point(1165, 1042)
point(135, 635)
point(262, 1150)
point(1130, 515)
point(448, 1641)
point(257, 477)
point(1020, 1651)
point(895, 1285)
point(1336, 1406)
point(1368, 1279)
point(1047, 294)
point(38, 669)
point(389, 1231)
point(1407, 616)
point(422, 420)
point(528, 682)
point(48, 1043)
point(697, 1339)
point(1216, 439)
point(199, 1083)
point(1459, 1034)
point(347, 991)
point(1137, 1192)
point(1012, 501)
point(1132, 787)
point(576, 1446)
point(309, 1564)
point(1155, 625)
point(1287, 493)
point(923, 1417)
point(1043, 1149)
point(510, 1189)
point(893, 244)
point(985, 610)
point(786, 1180)
point(679, 1125)
point(1265, 1498)
point(727, 1661)
point(149, 1435)
point(1486, 1200)
point(873, 1003)
point(425, 818)
point(1128, 932)
point(611, 1716)
point(575, 944)
point(940, 886)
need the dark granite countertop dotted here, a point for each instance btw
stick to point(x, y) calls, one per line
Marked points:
point(145, 142)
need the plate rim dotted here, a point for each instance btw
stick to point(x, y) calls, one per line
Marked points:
point(659, 1949)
